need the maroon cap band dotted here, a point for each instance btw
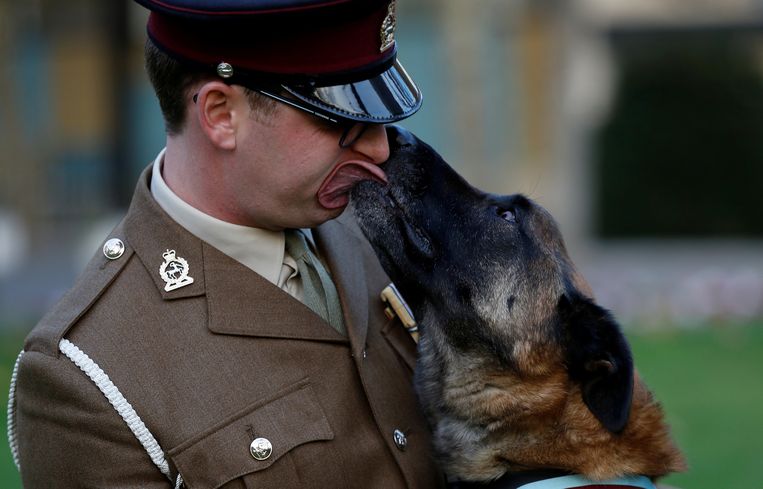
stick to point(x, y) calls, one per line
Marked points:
point(338, 56)
point(345, 37)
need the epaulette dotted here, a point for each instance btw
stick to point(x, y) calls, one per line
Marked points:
point(99, 273)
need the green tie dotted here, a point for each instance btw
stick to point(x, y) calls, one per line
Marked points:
point(319, 292)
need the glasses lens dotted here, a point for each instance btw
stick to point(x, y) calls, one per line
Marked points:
point(352, 133)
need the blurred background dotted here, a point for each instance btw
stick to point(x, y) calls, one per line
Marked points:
point(637, 124)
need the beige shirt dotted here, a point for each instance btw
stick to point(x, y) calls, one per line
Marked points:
point(260, 250)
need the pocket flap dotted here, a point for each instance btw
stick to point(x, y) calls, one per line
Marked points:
point(289, 418)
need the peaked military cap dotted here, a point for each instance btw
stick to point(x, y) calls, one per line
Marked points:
point(338, 56)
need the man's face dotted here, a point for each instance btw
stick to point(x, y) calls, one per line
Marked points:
point(288, 170)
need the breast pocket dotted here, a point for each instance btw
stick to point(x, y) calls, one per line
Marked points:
point(288, 419)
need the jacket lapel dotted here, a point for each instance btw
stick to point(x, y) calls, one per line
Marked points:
point(342, 252)
point(239, 301)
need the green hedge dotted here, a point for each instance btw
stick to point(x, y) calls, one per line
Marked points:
point(682, 154)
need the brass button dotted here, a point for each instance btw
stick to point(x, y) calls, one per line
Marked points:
point(261, 448)
point(225, 70)
point(113, 249)
point(401, 441)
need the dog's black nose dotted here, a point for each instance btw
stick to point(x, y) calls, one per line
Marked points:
point(399, 136)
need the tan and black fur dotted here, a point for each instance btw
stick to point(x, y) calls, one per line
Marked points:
point(519, 369)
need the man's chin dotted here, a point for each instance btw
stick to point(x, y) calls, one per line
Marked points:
point(337, 211)
point(322, 215)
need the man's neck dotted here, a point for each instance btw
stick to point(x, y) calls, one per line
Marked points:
point(188, 170)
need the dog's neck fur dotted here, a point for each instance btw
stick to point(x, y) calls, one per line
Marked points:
point(514, 420)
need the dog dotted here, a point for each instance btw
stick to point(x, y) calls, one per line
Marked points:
point(519, 369)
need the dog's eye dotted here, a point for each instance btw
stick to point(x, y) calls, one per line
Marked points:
point(506, 214)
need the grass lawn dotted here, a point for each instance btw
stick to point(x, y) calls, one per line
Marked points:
point(10, 345)
point(710, 382)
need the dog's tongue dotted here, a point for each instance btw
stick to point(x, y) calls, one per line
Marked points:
point(335, 189)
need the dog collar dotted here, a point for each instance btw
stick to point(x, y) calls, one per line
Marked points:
point(579, 482)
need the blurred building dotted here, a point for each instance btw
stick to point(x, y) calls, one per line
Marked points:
point(635, 123)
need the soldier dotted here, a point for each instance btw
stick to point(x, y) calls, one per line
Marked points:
point(207, 345)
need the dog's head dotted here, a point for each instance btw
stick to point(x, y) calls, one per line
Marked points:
point(491, 274)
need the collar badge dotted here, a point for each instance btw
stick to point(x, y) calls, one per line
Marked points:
point(174, 271)
point(388, 27)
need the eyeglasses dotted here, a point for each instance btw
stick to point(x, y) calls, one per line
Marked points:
point(352, 131)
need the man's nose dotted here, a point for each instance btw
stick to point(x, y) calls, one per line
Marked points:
point(373, 143)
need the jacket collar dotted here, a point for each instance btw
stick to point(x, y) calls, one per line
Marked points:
point(240, 302)
point(151, 232)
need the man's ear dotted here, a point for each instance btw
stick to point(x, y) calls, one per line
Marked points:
point(216, 111)
point(599, 359)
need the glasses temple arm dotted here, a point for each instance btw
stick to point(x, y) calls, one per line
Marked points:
point(291, 103)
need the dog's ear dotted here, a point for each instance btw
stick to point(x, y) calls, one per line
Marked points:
point(599, 359)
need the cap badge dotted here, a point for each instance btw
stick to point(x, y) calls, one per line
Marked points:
point(174, 271)
point(388, 27)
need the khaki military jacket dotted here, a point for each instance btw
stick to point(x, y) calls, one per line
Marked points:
point(211, 366)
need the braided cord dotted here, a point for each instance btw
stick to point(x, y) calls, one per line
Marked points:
point(125, 410)
point(11, 426)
